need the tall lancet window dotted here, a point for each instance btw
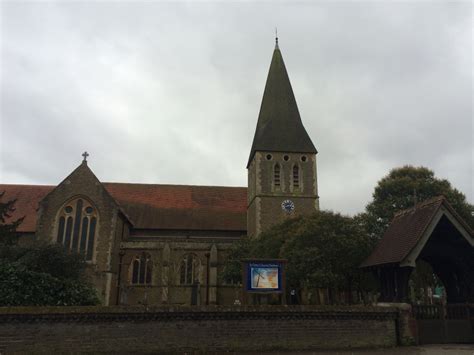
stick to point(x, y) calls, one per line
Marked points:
point(189, 269)
point(277, 175)
point(296, 176)
point(77, 227)
point(142, 268)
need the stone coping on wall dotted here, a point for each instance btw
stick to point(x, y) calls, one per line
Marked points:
point(164, 313)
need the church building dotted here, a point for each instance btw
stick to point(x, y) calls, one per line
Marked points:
point(167, 244)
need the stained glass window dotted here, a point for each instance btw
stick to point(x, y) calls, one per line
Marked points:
point(76, 227)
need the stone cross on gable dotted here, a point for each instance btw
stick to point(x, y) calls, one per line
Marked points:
point(85, 155)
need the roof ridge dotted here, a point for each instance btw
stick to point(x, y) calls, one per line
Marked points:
point(24, 185)
point(129, 183)
point(422, 204)
point(173, 185)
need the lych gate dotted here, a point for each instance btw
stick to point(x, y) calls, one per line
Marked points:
point(434, 233)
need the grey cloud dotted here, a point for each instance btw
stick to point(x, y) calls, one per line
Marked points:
point(170, 92)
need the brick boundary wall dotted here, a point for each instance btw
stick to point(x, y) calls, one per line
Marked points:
point(202, 328)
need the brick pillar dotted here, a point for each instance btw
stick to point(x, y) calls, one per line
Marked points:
point(407, 330)
point(407, 327)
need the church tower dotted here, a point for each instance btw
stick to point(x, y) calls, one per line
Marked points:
point(282, 181)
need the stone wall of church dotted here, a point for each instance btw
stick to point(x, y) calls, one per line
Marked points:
point(82, 184)
point(307, 171)
point(252, 218)
point(117, 245)
point(211, 328)
point(271, 212)
point(265, 197)
point(170, 271)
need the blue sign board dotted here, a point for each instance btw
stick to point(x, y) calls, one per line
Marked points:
point(264, 276)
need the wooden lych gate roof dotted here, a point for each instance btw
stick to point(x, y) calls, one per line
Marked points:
point(410, 230)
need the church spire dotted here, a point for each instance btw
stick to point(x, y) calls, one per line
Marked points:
point(279, 126)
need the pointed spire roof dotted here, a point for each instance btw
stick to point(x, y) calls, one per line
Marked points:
point(279, 126)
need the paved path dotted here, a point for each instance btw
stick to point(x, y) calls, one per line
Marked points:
point(448, 349)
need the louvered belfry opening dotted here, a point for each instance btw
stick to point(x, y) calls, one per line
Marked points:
point(277, 175)
point(296, 176)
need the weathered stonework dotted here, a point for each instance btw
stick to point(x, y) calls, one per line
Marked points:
point(82, 183)
point(167, 254)
point(117, 244)
point(203, 329)
point(264, 208)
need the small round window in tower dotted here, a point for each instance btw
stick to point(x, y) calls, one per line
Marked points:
point(286, 158)
point(303, 158)
point(68, 209)
point(269, 157)
point(89, 210)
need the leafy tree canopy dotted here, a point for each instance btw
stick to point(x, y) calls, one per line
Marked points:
point(323, 250)
point(45, 258)
point(21, 286)
point(38, 274)
point(396, 192)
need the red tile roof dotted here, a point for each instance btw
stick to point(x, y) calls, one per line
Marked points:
point(406, 230)
point(182, 206)
point(27, 197)
point(152, 206)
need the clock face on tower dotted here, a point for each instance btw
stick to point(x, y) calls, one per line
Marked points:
point(287, 206)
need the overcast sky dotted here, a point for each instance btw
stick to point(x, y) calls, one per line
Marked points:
point(169, 93)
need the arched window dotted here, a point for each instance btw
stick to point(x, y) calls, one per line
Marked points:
point(189, 270)
point(142, 268)
point(296, 176)
point(276, 175)
point(77, 227)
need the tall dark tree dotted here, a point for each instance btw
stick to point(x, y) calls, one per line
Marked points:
point(399, 190)
point(8, 234)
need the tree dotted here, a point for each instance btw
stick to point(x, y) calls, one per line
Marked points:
point(21, 286)
point(323, 250)
point(38, 274)
point(8, 234)
point(397, 190)
point(239, 251)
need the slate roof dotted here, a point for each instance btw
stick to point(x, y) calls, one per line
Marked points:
point(406, 230)
point(152, 206)
point(279, 126)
